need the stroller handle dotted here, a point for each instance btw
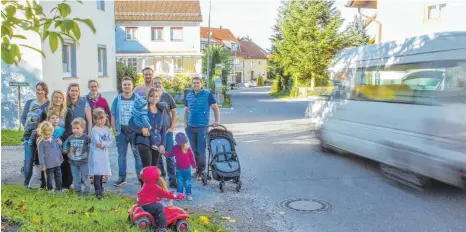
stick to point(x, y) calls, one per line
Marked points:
point(220, 125)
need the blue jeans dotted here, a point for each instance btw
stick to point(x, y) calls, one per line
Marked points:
point(197, 140)
point(183, 176)
point(80, 171)
point(170, 160)
point(28, 160)
point(122, 141)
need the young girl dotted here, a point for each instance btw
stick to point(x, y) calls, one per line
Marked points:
point(184, 161)
point(101, 139)
point(53, 117)
point(50, 157)
point(77, 148)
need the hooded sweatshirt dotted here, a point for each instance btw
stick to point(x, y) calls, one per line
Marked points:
point(139, 113)
point(150, 191)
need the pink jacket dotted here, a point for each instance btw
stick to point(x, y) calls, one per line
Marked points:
point(183, 160)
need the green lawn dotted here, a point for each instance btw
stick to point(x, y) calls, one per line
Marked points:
point(38, 210)
point(11, 137)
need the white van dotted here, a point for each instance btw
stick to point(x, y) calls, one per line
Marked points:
point(402, 104)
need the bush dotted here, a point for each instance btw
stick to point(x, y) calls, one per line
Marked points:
point(176, 84)
point(260, 81)
point(123, 71)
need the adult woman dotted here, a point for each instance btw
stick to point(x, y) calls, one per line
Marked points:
point(79, 106)
point(149, 156)
point(42, 91)
point(59, 105)
point(95, 99)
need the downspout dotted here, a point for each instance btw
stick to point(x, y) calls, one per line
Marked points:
point(379, 37)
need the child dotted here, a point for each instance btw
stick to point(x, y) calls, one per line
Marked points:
point(150, 196)
point(31, 120)
point(101, 139)
point(77, 148)
point(184, 161)
point(50, 157)
point(141, 119)
point(54, 118)
point(163, 185)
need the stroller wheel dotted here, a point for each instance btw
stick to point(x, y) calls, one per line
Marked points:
point(221, 185)
point(238, 186)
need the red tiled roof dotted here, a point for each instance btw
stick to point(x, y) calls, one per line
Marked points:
point(158, 10)
point(250, 49)
point(218, 34)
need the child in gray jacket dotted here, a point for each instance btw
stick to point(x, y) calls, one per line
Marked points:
point(50, 157)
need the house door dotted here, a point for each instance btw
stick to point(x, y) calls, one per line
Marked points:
point(252, 75)
point(239, 79)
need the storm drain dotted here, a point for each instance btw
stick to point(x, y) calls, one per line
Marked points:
point(306, 205)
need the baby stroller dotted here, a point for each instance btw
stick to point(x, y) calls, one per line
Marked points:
point(223, 161)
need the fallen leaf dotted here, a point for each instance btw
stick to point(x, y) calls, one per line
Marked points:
point(36, 221)
point(232, 221)
point(195, 230)
point(282, 213)
point(226, 218)
point(91, 210)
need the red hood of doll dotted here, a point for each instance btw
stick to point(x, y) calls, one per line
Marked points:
point(150, 174)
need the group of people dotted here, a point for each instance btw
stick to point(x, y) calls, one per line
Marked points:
point(66, 139)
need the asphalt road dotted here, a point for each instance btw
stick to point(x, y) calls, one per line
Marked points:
point(281, 161)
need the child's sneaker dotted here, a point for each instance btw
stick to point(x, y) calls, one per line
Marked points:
point(189, 198)
point(120, 182)
point(99, 197)
point(51, 191)
point(104, 179)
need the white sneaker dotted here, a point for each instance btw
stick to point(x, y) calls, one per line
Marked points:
point(189, 198)
point(71, 186)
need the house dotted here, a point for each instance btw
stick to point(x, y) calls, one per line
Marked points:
point(160, 34)
point(92, 58)
point(250, 62)
point(224, 37)
point(394, 20)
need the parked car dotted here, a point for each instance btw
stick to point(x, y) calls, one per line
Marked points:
point(252, 83)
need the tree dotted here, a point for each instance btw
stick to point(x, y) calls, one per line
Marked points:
point(20, 17)
point(356, 33)
point(245, 38)
point(310, 40)
point(217, 55)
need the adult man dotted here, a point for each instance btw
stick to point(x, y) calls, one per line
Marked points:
point(170, 120)
point(196, 118)
point(148, 74)
point(122, 107)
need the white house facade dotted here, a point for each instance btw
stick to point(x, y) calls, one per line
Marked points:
point(397, 19)
point(160, 35)
point(93, 58)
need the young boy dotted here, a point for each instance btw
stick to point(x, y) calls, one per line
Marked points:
point(77, 148)
point(32, 120)
point(50, 157)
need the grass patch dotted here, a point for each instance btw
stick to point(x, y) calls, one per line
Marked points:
point(227, 101)
point(11, 137)
point(36, 210)
point(280, 94)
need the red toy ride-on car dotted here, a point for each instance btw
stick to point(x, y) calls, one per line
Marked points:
point(176, 217)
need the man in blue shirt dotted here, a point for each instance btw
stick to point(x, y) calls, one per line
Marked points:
point(196, 118)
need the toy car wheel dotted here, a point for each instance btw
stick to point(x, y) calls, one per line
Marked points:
point(143, 223)
point(238, 186)
point(182, 226)
point(221, 185)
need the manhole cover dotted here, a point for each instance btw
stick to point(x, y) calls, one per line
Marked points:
point(306, 205)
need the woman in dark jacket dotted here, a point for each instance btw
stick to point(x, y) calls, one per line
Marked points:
point(79, 106)
point(42, 101)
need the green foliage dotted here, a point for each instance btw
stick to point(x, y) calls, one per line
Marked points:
point(356, 33)
point(177, 84)
point(217, 55)
point(125, 71)
point(11, 137)
point(36, 210)
point(261, 81)
point(54, 28)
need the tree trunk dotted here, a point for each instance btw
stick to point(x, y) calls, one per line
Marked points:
point(312, 82)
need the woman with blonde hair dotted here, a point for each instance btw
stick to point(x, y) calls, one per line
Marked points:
point(58, 105)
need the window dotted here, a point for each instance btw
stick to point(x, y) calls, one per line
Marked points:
point(157, 33)
point(131, 33)
point(69, 60)
point(100, 4)
point(259, 62)
point(177, 33)
point(102, 60)
point(252, 63)
point(236, 61)
point(132, 62)
point(434, 12)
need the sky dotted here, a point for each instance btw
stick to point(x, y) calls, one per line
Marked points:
point(252, 17)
